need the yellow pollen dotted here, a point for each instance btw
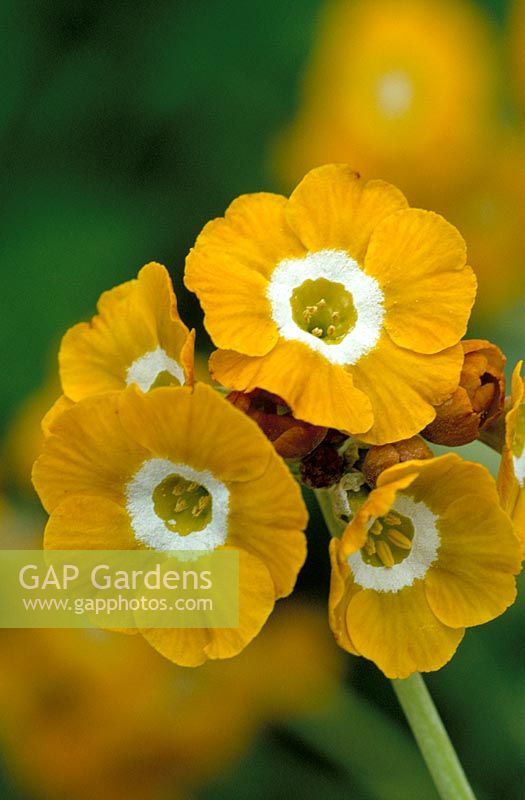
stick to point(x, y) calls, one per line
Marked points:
point(370, 546)
point(398, 538)
point(317, 332)
point(392, 519)
point(191, 487)
point(385, 554)
point(180, 505)
point(330, 330)
point(178, 489)
point(321, 303)
point(335, 316)
point(376, 528)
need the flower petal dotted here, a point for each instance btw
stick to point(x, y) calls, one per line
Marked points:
point(399, 631)
point(198, 428)
point(267, 519)
point(333, 209)
point(191, 647)
point(237, 311)
point(317, 391)
point(256, 601)
point(342, 589)
point(80, 523)
point(183, 646)
point(404, 387)
point(419, 260)
point(473, 579)
point(88, 453)
point(253, 234)
point(448, 478)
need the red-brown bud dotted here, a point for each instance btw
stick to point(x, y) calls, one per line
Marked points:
point(292, 438)
point(322, 468)
point(383, 456)
point(477, 402)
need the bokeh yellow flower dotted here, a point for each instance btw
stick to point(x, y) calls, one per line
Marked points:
point(342, 301)
point(511, 477)
point(136, 338)
point(429, 553)
point(110, 474)
point(400, 90)
point(89, 714)
point(490, 213)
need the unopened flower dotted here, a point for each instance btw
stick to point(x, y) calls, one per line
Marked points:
point(511, 477)
point(341, 300)
point(291, 437)
point(324, 467)
point(136, 338)
point(429, 553)
point(379, 458)
point(176, 470)
point(477, 402)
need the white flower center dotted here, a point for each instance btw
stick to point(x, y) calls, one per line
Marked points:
point(394, 93)
point(423, 552)
point(152, 531)
point(145, 370)
point(337, 267)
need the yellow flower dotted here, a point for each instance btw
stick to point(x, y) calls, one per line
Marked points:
point(402, 90)
point(137, 337)
point(341, 300)
point(103, 477)
point(490, 213)
point(90, 714)
point(511, 477)
point(429, 553)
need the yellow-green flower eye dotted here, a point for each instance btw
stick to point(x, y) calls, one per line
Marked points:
point(324, 309)
point(185, 506)
point(389, 540)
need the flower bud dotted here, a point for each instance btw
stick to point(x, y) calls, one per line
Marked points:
point(477, 402)
point(322, 468)
point(383, 456)
point(292, 438)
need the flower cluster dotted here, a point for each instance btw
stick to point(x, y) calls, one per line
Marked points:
point(339, 315)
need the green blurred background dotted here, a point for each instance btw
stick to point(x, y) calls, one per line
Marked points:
point(124, 128)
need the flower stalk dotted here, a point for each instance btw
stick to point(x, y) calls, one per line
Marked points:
point(432, 738)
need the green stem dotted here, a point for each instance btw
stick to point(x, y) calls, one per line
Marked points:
point(420, 711)
point(432, 738)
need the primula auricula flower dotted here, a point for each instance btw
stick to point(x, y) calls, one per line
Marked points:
point(429, 553)
point(402, 90)
point(176, 469)
point(137, 337)
point(341, 300)
point(511, 477)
